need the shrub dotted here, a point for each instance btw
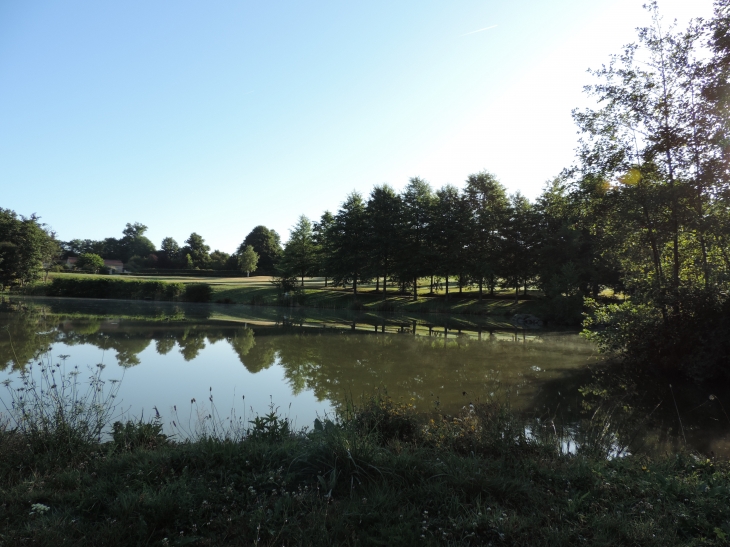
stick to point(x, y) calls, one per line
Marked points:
point(90, 262)
point(198, 292)
point(693, 340)
point(78, 287)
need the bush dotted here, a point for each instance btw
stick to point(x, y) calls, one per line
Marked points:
point(77, 287)
point(198, 292)
point(694, 340)
point(90, 262)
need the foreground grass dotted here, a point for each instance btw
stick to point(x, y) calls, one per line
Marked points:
point(379, 477)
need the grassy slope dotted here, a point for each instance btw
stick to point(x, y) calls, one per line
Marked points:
point(260, 291)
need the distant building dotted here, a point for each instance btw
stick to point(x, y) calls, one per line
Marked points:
point(115, 266)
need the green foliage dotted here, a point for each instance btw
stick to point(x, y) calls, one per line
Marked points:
point(650, 163)
point(25, 245)
point(80, 287)
point(415, 253)
point(90, 262)
point(134, 243)
point(219, 260)
point(169, 255)
point(489, 210)
point(196, 252)
point(139, 435)
point(347, 262)
point(267, 244)
point(197, 292)
point(248, 259)
point(696, 340)
point(270, 427)
point(299, 258)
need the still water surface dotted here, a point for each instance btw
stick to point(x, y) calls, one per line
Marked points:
point(311, 363)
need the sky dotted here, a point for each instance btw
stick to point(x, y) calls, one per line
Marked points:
point(215, 117)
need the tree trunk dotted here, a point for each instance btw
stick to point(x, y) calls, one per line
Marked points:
point(385, 280)
point(354, 285)
point(447, 287)
point(431, 284)
point(415, 288)
point(481, 283)
point(377, 283)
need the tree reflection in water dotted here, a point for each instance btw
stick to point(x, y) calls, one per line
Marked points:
point(551, 376)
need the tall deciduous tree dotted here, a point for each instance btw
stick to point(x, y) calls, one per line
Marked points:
point(134, 242)
point(348, 234)
point(383, 219)
point(322, 234)
point(489, 211)
point(416, 255)
point(300, 253)
point(267, 244)
point(197, 250)
point(654, 142)
point(518, 252)
point(248, 260)
point(169, 254)
point(449, 230)
point(219, 260)
point(658, 148)
point(25, 244)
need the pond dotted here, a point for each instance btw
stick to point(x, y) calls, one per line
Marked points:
point(310, 363)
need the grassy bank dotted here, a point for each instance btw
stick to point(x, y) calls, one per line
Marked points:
point(379, 476)
point(261, 292)
point(368, 299)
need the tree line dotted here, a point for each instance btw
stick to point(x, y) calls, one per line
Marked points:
point(259, 251)
point(478, 235)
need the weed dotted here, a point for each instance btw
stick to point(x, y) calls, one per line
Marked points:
point(55, 410)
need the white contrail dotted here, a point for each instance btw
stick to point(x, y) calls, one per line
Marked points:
point(480, 30)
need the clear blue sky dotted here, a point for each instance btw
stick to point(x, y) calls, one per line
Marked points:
point(217, 116)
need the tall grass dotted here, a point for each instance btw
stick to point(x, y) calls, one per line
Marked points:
point(376, 474)
point(59, 408)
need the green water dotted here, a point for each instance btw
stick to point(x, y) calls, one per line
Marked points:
point(310, 363)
